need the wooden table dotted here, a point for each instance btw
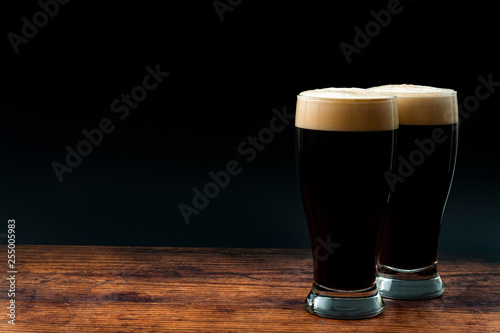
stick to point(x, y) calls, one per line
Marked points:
point(144, 289)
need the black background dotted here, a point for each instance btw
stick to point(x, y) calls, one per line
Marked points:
point(226, 77)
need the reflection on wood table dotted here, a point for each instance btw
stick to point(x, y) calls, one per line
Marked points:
point(160, 289)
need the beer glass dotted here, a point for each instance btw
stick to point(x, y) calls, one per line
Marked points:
point(345, 143)
point(420, 184)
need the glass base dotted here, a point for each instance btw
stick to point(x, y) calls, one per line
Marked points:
point(414, 284)
point(340, 304)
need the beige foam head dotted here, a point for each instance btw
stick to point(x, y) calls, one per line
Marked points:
point(346, 109)
point(423, 105)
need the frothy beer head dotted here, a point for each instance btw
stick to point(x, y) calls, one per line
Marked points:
point(346, 109)
point(423, 105)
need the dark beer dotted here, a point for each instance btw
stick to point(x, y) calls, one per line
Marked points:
point(344, 195)
point(411, 229)
point(420, 183)
point(344, 146)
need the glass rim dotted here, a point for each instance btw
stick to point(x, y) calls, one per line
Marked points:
point(380, 98)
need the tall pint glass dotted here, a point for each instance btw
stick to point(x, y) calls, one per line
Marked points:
point(420, 184)
point(345, 142)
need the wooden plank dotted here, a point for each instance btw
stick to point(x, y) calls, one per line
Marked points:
point(129, 289)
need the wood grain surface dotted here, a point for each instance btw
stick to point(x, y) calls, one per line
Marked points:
point(139, 289)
